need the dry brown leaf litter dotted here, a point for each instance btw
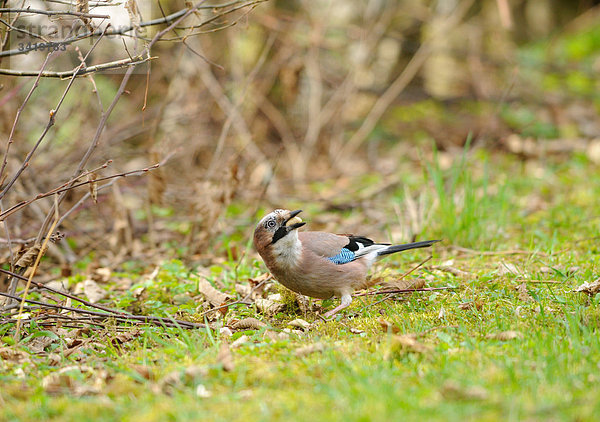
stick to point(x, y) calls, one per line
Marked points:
point(225, 357)
point(309, 349)
point(590, 289)
point(248, 324)
point(505, 335)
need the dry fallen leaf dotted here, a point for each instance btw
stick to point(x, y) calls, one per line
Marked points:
point(311, 348)
point(268, 307)
point(286, 333)
point(417, 283)
point(271, 335)
point(60, 285)
point(303, 303)
point(260, 279)
point(523, 294)
point(144, 371)
point(452, 390)
point(505, 335)
point(93, 186)
point(214, 296)
point(13, 355)
point(225, 358)
point(299, 323)
point(589, 288)
point(507, 268)
point(241, 340)
point(30, 255)
point(124, 337)
point(170, 381)
point(450, 269)
point(388, 327)
point(102, 274)
point(248, 324)
point(38, 344)
point(56, 383)
point(243, 289)
point(202, 391)
point(407, 343)
point(93, 291)
point(62, 381)
point(54, 359)
point(442, 313)
point(225, 331)
point(593, 151)
point(195, 372)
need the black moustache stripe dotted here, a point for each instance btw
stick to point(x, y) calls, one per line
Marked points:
point(280, 233)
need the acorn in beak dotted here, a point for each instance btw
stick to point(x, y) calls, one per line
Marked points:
point(293, 222)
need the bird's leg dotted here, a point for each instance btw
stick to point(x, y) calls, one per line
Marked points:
point(346, 301)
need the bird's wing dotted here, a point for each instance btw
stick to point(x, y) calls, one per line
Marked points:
point(322, 243)
point(340, 249)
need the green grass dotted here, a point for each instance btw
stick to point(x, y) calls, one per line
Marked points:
point(547, 212)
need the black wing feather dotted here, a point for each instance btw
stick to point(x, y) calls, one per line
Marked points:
point(355, 242)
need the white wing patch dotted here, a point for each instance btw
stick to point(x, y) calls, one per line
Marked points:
point(362, 250)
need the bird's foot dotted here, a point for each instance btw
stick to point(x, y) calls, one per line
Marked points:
point(346, 300)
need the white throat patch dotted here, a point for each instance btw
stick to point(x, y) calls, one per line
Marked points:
point(287, 250)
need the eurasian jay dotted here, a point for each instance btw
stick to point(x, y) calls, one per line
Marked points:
point(319, 264)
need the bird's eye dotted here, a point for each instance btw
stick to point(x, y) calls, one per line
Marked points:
point(270, 224)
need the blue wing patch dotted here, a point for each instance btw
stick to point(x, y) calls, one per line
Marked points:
point(345, 256)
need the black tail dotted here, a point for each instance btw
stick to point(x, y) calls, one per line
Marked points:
point(407, 246)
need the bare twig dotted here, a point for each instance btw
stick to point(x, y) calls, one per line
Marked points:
point(396, 291)
point(22, 30)
point(243, 301)
point(154, 320)
point(80, 70)
point(33, 270)
point(51, 120)
point(391, 293)
point(53, 13)
point(164, 20)
point(18, 115)
point(71, 185)
point(83, 199)
point(62, 293)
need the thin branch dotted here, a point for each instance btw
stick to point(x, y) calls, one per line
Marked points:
point(22, 30)
point(419, 265)
point(51, 121)
point(395, 291)
point(71, 185)
point(53, 13)
point(18, 115)
point(109, 111)
point(34, 269)
point(79, 70)
point(83, 199)
point(123, 30)
point(243, 301)
point(62, 293)
point(160, 321)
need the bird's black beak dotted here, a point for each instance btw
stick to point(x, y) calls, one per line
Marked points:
point(296, 221)
point(282, 231)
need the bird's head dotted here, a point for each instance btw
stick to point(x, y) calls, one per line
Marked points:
point(275, 226)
